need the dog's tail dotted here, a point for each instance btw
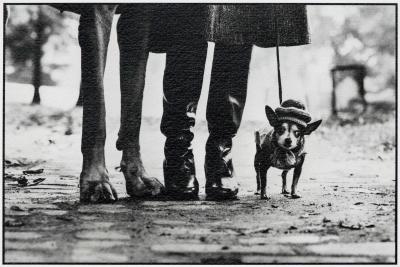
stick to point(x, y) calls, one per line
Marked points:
point(257, 140)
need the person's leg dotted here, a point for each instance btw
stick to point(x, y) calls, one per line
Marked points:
point(94, 33)
point(133, 38)
point(183, 79)
point(226, 100)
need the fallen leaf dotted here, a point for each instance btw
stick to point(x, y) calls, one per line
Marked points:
point(37, 171)
point(64, 218)
point(24, 182)
point(16, 208)
point(14, 223)
point(37, 181)
point(345, 225)
point(11, 176)
point(380, 204)
point(258, 230)
point(358, 203)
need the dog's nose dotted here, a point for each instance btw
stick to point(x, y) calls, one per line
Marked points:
point(288, 141)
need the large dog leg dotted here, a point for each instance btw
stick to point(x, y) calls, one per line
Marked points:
point(133, 39)
point(94, 34)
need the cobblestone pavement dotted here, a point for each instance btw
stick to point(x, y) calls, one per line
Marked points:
point(346, 214)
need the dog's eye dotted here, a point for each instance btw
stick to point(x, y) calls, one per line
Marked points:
point(280, 130)
point(296, 133)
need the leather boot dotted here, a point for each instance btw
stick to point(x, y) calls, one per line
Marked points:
point(179, 170)
point(221, 181)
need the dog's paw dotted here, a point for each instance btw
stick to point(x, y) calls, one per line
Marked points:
point(265, 197)
point(144, 187)
point(97, 192)
point(285, 192)
point(138, 183)
point(258, 192)
point(295, 196)
point(153, 185)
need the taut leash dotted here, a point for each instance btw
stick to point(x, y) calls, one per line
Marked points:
point(277, 57)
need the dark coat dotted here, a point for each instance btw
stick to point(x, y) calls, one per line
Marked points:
point(259, 24)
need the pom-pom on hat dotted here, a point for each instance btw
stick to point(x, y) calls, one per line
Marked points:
point(294, 111)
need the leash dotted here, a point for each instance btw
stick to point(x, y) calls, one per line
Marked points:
point(278, 65)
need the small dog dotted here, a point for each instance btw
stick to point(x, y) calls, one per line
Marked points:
point(283, 146)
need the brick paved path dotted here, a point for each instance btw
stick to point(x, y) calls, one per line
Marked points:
point(346, 215)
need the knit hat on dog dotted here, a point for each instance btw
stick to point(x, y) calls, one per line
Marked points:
point(294, 111)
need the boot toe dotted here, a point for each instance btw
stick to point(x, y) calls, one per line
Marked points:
point(226, 189)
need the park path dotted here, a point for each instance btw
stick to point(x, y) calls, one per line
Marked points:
point(346, 214)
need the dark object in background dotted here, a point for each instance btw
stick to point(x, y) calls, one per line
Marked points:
point(358, 73)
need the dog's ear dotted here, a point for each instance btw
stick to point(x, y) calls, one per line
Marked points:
point(311, 127)
point(271, 116)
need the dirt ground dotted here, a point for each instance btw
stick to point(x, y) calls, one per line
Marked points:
point(346, 213)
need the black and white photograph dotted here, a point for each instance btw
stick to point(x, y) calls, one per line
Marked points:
point(199, 132)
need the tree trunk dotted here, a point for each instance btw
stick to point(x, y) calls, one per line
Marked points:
point(79, 103)
point(37, 57)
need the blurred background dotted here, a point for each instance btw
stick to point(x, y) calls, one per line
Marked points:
point(42, 55)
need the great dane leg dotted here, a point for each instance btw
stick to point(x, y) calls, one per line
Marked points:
point(94, 33)
point(133, 39)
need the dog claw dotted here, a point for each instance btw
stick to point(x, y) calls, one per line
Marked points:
point(257, 192)
point(285, 192)
point(153, 186)
point(138, 184)
point(97, 192)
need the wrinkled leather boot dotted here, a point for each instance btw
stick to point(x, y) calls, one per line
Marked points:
point(221, 181)
point(179, 170)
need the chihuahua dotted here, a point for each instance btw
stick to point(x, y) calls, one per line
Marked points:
point(283, 146)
